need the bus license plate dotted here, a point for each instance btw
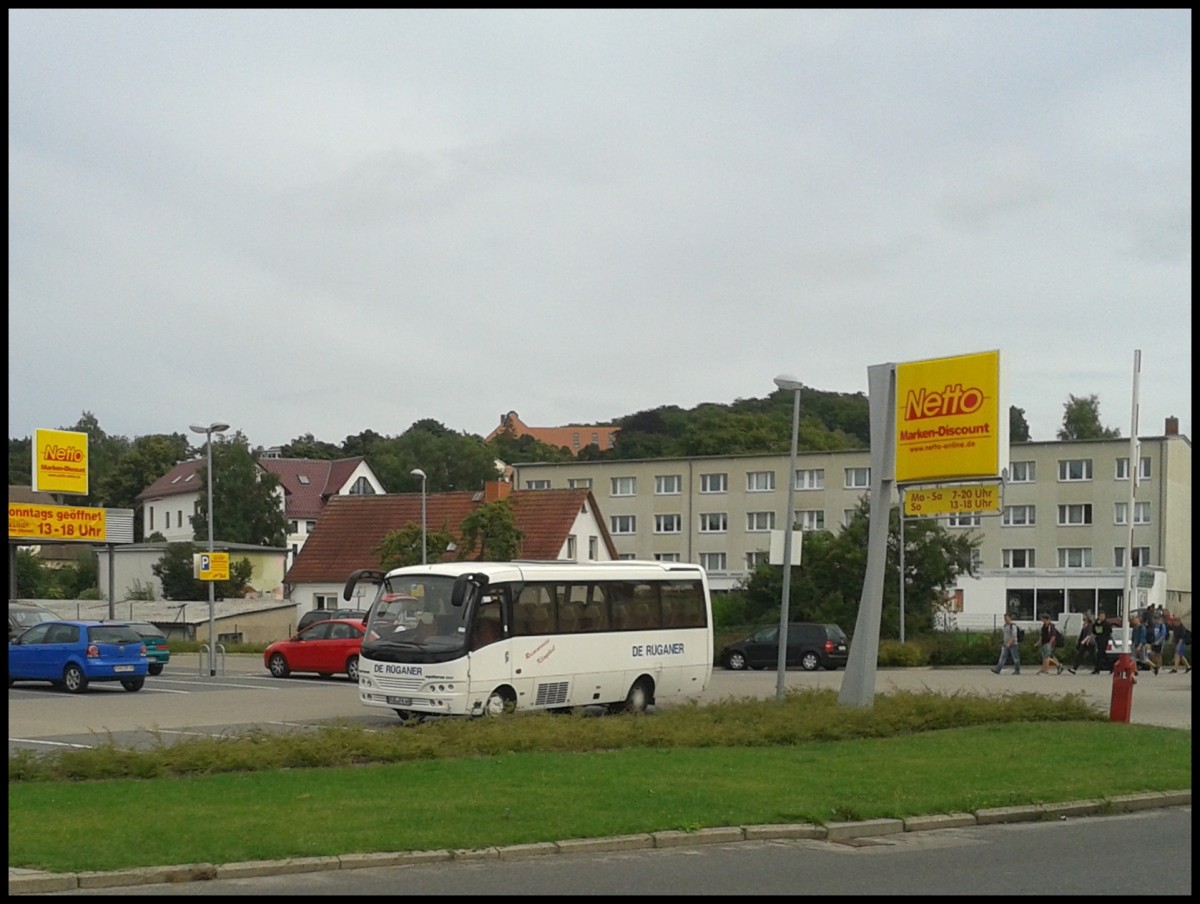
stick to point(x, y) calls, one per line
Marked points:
point(399, 701)
point(122, 668)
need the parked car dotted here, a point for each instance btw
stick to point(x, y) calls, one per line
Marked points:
point(325, 648)
point(26, 615)
point(72, 654)
point(157, 649)
point(316, 615)
point(810, 645)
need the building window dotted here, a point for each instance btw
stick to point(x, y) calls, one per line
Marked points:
point(579, 483)
point(963, 519)
point(167, 516)
point(1141, 513)
point(1017, 558)
point(537, 484)
point(1075, 469)
point(1074, 514)
point(571, 547)
point(1141, 556)
point(1123, 469)
point(976, 559)
point(668, 524)
point(325, 601)
point(1074, 557)
point(668, 485)
point(848, 516)
point(303, 478)
point(179, 518)
point(754, 559)
point(858, 478)
point(624, 486)
point(714, 483)
point(575, 440)
point(1022, 472)
point(624, 524)
point(626, 556)
point(712, 561)
point(593, 548)
point(666, 557)
point(362, 487)
point(810, 479)
point(760, 481)
point(310, 526)
point(808, 519)
point(1018, 516)
point(760, 521)
point(714, 522)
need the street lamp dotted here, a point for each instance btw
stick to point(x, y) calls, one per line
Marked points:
point(787, 381)
point(417, 472)
point(212, 618)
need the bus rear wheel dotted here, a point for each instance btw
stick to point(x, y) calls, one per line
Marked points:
point(640, 697)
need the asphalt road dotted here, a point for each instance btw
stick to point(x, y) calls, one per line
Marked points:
point(183, 702)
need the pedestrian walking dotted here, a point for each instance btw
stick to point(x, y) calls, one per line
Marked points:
point(1137, 637)
point(1009, 646)
point(1156, 639)
point(1085, 644)
point(1101, 635)
point(1183, 640)
point(1049, 640)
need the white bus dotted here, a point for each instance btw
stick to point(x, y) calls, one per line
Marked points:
point(486, 638)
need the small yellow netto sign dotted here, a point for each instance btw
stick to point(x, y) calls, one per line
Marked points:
point(60, 462)
point(949, 420)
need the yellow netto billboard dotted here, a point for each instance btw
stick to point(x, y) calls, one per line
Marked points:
point(60, 462)
point(950, 420)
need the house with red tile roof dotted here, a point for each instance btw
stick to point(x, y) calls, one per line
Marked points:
point(306, 485)
point(560, 525)
point(573, 436)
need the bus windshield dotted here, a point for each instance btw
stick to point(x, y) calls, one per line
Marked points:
point(413, 614)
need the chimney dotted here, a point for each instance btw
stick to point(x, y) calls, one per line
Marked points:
point(1172, 426)
point(495, 490)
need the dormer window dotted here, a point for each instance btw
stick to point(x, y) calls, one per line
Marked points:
point(303, 478)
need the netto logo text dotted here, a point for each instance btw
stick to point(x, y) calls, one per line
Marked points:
point(61, 453)
point(951, 401)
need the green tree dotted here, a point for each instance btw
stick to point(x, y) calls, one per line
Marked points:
point(246, 500)
point(33, 577)
point(509, 448)
point(490, 534)
point(451, 461)
point(308, 446)
point(20, 462)
point(402, 546)
point(1081, 420)
point(148, 459)
point(177, 575)
point(1018, 427)
point(104, 452)
point(827, 585)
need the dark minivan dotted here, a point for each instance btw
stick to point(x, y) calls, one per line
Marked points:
point(810, 646)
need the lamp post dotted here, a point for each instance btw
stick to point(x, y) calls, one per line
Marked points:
point(417, 472)
point(787, 381)
point(212, 618)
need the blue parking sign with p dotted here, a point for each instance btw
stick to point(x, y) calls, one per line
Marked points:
point(205, 562)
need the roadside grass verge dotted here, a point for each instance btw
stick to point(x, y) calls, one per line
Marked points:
point(454, 785)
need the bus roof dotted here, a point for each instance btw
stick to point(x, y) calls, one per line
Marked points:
point(528, 570)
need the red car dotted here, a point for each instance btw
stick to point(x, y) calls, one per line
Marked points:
point(325, 648)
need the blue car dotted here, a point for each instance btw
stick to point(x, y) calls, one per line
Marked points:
point(72, 654)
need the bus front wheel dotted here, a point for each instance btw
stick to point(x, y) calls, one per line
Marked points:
point(500, 702)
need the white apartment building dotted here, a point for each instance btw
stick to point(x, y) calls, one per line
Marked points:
point(1058, 546)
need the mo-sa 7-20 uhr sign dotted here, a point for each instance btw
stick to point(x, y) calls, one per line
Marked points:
point(951, 423)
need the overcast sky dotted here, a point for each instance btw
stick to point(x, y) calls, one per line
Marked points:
point(329, 222)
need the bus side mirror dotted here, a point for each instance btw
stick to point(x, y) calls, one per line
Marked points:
point(462, 587)
point(351, 582)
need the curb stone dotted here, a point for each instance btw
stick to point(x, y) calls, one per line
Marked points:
point(24, 881)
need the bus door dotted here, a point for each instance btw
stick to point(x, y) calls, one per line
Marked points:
point(490, 659)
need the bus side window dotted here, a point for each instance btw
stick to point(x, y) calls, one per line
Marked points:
point(524, 619)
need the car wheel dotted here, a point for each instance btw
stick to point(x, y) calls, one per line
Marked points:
point(500, 702)
point(637, 700)
point(809, 661)
point(133, 684)
point(352, 668)
point(74, 680)
point(735, 661)
point(156, 668)
point(278, 666)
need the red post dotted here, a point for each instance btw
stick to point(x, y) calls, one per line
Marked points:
point(1124, 678)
